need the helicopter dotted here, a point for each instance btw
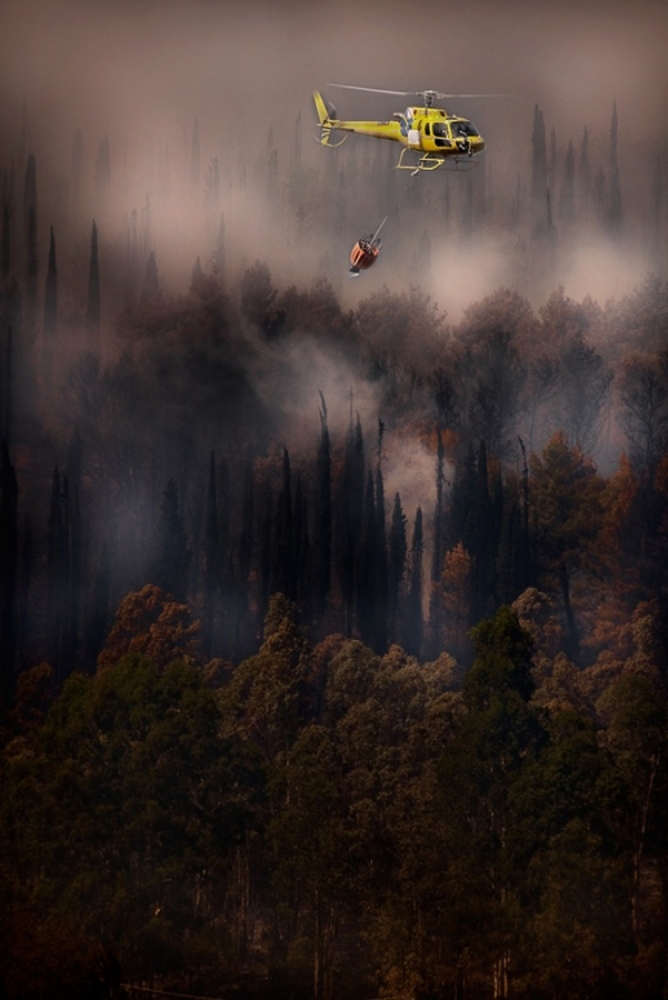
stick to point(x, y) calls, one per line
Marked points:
point(365, 252)
point(431, 136)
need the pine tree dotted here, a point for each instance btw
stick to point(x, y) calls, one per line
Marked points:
point(211, 556)
point(50, 307)
point(282, 569)
point(539, 183)
point(32, 270)
point(396, 566)
point(348, 525)
point(435, 603)
point(365, 591)
point(8, 573)
point(615, 207)
point(322, 532)
point(414, 620)
point(75, 544)
point(218, 265)
point(58, 573)
point(567, 193)
point(93, 303)
point(6, 235)
point(172, 551)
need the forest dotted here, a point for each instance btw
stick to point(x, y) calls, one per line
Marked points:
point(333, 632)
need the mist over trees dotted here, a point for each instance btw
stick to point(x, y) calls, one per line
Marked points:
point(333, 631)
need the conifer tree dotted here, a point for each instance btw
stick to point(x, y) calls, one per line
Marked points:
point(58, 573)
point(6, 235)
point(435, 603)
point(414, 620)
point(282, 569)
point(567, 193)
point(50, 306)
point(615, 206)
point(322, 531)
point(218, 266)
point(172, 551)
point(396, 566)
point(303, 586)
point(584, 178)
point(348, 526)
point(75, 543)
point(366, 583)
point(211, 555)
point(8, 573)
point(93, 303)
point(539, 183)
point(32, 270)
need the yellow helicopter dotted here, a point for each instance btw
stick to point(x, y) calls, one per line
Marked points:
point(431, 136)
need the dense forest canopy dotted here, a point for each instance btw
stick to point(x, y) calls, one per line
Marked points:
point(333, 615)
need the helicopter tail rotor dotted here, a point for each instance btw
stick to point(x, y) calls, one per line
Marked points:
point(326, 119)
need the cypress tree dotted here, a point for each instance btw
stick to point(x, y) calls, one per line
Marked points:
point(75, 548)
point(322, 531)
point(282, 569)
point(58, 575)
point(414, 621)
point(32, 268)
point(6, 236)
point(538, 174)
point(8, 573)
point(567, 193)
point(396, 565)
point(584, 177)
point(218, 269)
point(350, 499)
point(381, 565)
point(172, 554)
point(93, 304)
point(435, 602)
point(615, 206)
point(365, 591)
point(50, 306)
point(303, 586)
point(211, 555)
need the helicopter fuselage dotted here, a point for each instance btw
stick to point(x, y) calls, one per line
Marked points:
point(430, 132)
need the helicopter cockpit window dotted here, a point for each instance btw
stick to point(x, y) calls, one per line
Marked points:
point(465, 128)
point(441, 136)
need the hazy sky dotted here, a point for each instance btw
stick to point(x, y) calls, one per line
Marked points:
point(151, 60)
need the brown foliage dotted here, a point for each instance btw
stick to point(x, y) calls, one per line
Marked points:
point(152, 623)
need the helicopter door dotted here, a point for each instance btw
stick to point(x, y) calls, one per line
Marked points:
point(414, 138)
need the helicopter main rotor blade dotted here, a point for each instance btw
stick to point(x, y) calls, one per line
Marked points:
point(373, 90)
point(412, 93)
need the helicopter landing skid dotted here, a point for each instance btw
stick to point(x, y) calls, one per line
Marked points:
point(427, 163)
